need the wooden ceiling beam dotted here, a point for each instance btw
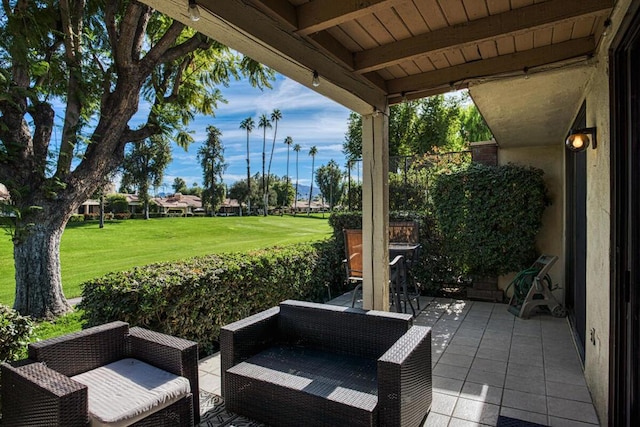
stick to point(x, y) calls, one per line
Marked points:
point(243, 26)
point(458, 36)
point(318, 15)
point(333, 47)
point(397, 99)
point(280, 9)
point(519, 61)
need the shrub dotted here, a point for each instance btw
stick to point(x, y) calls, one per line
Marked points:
point(76, 218)
point(15, 331)
point(489, 217)
point(117, 203)
point(194, 298)
point(124, 215)
point(96, 216)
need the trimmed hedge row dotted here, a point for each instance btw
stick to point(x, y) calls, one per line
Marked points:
point(194, 298)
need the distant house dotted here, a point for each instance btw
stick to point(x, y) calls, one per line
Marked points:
point(229, 207)
point(4, 194)
point(90, 207)
point(5, 200)
point(302, 206)
point(178, 205)
point(174, 205)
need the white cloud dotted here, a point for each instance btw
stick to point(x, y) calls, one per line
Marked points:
point(309, 118)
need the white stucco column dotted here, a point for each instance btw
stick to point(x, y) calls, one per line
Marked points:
point(375, 211)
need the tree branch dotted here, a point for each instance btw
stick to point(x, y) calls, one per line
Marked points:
point(128, 29)
point(43, 116)
point(141, 134)
point(7, 8)
point(194, 43)
point(72, 29)
point(139, 38)
point(168, 39)
point(178, 80)
point(110, 23)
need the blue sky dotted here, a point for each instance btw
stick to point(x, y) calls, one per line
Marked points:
point(307, 117)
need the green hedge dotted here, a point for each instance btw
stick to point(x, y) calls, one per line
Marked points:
point(76, 218)
point(489, 217)
point(194, 298)
point(15, 331)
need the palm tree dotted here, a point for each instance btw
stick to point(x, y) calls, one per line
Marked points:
point(248, 124)
point(264, 123)
point(275, 116)
point(288, 140)
point(312, 152)
point(296, 148)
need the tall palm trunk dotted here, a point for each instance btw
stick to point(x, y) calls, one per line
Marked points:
point(264, 193)
point(248, 179)
point(311, 187)
point(295, 197)
point(275, 116)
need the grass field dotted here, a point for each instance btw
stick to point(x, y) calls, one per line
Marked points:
point(88, 251)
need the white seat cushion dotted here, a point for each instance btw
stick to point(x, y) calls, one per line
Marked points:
point(128, 390)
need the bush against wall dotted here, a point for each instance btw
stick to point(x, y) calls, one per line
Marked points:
point(15, 331)
point(194, 298)
point(489, 216)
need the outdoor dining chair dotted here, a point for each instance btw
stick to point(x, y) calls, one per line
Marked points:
point(353, 265)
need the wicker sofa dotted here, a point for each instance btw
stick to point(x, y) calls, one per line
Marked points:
point(50, 387)
point(319, 365)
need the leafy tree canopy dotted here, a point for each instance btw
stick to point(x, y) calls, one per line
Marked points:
point(179, 185)
point(329, 180)
point(144, 166)
point(97, 62)
point(211, 157)
point(438, 123)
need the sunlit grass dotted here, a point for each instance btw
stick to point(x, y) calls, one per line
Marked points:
point(88, 251)
point(62, 325)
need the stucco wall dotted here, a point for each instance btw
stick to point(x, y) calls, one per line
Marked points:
point(598, 241)
point(550, 238)
point(598, 225)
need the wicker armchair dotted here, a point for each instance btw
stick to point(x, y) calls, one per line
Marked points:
point(319, 365)
point(40, 390)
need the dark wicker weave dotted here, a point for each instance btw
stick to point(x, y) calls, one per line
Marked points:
point(319, 365)
point(38, 390)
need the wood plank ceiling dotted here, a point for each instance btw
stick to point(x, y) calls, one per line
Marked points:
point(416, 48)
point(406, 49)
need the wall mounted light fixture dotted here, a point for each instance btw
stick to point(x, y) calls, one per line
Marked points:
point(579, 139)
point(194, 11)
point(316, 79)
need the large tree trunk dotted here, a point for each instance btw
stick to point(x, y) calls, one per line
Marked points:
point(45, 201)
point(38, 279)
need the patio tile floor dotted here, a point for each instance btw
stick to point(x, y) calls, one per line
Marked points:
point(486, 363)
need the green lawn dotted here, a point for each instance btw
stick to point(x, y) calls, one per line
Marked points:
point(88, 251)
